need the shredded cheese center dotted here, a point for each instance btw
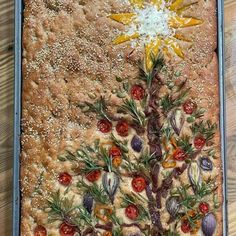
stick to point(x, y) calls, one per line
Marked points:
point(150, 22)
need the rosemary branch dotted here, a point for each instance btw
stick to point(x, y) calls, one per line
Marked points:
point(206, 128)
point(130, 107)
point(99, 107)
point(96, 191)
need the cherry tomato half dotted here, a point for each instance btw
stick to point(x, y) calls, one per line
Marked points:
point(114, 151)
point(185, 226)
point(64, 179)
point(104, 126)
point(40, 231)
point(189, 107)
point(67, 230)
point(132, 212)
point(138, 184)
point(93, 175)
point(137, 92)
point(122, 128)
point(204, 207)
point(199, 142)
point(179, 154)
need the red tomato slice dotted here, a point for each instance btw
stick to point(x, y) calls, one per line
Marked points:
point(132, 212)
point(65, 179)
point(179, 154)
point(204, 207)
point(40, 231)
point(67, 230)
point(138, 184)
point(189, 107)
point(104, 126)
point(137, 92)
point(122, 128)
point(114, 151)
point(185, 227)
point(93, 175)
point(199, 142)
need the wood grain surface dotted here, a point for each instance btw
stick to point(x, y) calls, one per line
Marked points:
point(6, 111)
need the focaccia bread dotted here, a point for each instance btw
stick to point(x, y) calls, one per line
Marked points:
point(120, 118)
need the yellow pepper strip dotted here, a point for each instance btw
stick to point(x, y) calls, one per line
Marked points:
point(124, 38)
point(166, 52)
point(138, 3)
point(100, 215)
point(175, 5)
point(182, 22)
point(176, 47)
point(124, 18)
point(151, 50)
point(181, 37)
point(184, 8)
point(195, 230)
point(168, 164)
point(173, 142)
point(104, 144)
point(157, 3)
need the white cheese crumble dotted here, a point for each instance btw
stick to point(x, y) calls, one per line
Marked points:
point(150, 22)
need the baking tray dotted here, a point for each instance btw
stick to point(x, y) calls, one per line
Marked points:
point(17, 113)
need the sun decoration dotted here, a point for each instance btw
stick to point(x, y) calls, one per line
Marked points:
point(153, 24)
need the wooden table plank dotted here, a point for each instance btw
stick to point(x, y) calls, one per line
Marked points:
point(6, 111)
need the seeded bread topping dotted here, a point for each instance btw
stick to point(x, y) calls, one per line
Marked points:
point(120, 118)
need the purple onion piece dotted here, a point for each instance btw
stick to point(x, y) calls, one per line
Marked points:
point(209, 224)
point(173, 206)
point(177, 121)
point(88, 202)
point(206, 164)
point(136, 144)
point(110, 183)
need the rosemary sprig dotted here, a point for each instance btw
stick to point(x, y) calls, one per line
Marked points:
point(99, 107)
point(60, 207)
point(130, 107)
point(197, 114)
point(68, 155)
point(168, 102)
point(117, 232)
point(123, 145)
point(167, 132)
point(96, 191)
point(145, 158)
point(205, 128)
point(207, 187)
point(185, 145)
point(88, 159)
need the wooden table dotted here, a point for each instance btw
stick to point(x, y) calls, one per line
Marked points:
point(6, 111)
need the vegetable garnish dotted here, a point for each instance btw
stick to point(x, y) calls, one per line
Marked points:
point(65, 179)
point(67, 230)
point(104, 126)
point(40, 231)
point(122, 128)
point(138, 184)
point(132, 212)
point(137, 92)
point(158, 137)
